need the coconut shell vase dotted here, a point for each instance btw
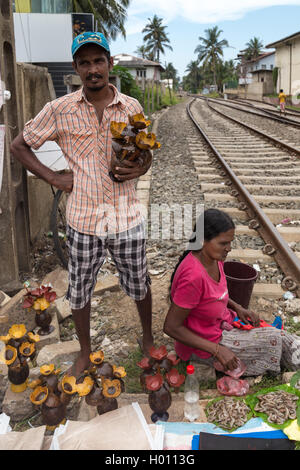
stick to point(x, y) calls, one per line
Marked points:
point(49, 397)
point(20, 347)
point(130, 142)
point(159, 376)
point(40, 300)
point(100, 385)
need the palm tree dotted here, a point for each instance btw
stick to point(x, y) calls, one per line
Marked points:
point(193, 79)
point(142, 52)
point(211, 49)
point(156, 38)
point(109, 14)
point(254, 48)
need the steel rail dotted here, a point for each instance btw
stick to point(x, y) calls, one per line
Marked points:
point(270, 115)
point(283, 255)
point(286, 146)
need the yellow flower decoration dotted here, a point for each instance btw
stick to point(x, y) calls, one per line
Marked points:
point(8, 355)
point(119, 372)
point(139, 121)
point(39, 395)
point(111, 388)
point(47, 369)
point(117, 129)
point(68, 384)
point(97, 357)
point(146, 141)
point(34, 383)
point(17, 331)
point(27, 349)
point(41, 304)
point(33, 337)
point(5, 339)
point(85, 387)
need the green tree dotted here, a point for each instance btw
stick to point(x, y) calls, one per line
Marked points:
point(210, 50)
point(254, 48)
point(128, 84)
point(143, 52)
point(156, 38)
point(109, 14)
point(171, 73)
point(193, 79)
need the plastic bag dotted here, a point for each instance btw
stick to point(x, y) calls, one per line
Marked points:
point(235, 373)
point(229, 386)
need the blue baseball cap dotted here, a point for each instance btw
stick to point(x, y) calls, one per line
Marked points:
point(89, 38)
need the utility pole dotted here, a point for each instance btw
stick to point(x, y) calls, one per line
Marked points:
point(14, 225)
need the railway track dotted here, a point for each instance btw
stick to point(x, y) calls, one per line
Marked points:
point(281, 130)
point(255, 179)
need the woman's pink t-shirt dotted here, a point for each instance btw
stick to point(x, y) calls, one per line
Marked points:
point(207, 299)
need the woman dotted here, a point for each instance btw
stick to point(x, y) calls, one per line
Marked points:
point(201, 314)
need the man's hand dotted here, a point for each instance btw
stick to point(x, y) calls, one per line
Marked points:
point(130, 170)
point(63, 181)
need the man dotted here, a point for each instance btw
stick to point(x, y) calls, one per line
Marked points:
point(282, 101)
point(101, 214)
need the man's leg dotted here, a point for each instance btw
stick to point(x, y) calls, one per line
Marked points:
point(145, 312)
point(81, 319)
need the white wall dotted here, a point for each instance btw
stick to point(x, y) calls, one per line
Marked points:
point(41, 37)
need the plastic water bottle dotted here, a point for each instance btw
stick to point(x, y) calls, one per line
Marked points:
point(191, 395)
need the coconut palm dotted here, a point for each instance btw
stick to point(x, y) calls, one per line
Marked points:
point(110, 15)
point(142, 52)
point(156, 38)
point(210, 49)
point(254, 48)
point(193, 79)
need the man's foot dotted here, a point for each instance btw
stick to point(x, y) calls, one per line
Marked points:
point(80, 365)
point(145, 345)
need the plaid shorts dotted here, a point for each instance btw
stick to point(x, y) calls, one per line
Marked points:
point(87, 254)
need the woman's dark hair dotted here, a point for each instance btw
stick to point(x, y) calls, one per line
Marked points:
point(209, 225)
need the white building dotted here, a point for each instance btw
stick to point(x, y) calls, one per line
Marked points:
point(265, 61)
point(44, 31)
point(139, 68)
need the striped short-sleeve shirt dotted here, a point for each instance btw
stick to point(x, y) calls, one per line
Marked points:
point(96, 205)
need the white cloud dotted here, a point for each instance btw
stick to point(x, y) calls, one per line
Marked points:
point(195, 11)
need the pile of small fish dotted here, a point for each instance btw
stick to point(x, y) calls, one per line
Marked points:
point(279, 406)
point(229, 413)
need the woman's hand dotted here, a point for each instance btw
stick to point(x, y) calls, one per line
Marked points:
point(227, 358)
point(247, 316)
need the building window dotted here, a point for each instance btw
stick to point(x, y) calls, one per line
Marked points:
point(263, 66)
point(141, 73)
point(271, 67)
point(51, 6)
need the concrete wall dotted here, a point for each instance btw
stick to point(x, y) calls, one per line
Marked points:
point(35, 90)
point(287, 59)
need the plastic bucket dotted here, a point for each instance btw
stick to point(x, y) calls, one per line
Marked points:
point(240, 281)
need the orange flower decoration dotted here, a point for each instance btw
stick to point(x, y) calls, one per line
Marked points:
point(68, 384)
point(85, 387)
point(39, 395)
point(9, 355)
point(119, 372)
point(111, 388)
point(27, 349)
point(17, 331)
point(146, 141)
point(117, 129)
point(138, 121)
point(97, 357)
point(47, 369)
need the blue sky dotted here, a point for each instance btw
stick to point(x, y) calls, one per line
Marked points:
point(186, 20)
